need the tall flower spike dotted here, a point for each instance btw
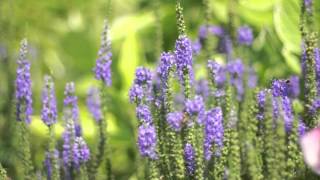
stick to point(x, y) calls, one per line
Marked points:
point(213, 132)
point(189, 156)
point(166, 63)
point(136, 94)
point(103, 63)
point(183, 57)
point(94, 103)
point(49, 112)
point(317, 63)
point(23, 86)
point(180, 19)
point(147, 141)
point(71, 110)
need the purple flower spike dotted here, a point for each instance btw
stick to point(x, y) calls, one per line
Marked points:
point(94, 103)
point(81, 152)
point(245, 35)
point(144, 114)
point(136, 93)
point(293, 87)
point(216, 30)
point(236, 70)
point(189, 156)
point(218, 73)
point(23, 86)
point(195, 106)
point(183, 55)
point(252, 78)
point(203, 33)
point(71, 110)
point(213, 132)
point(147, 141)
point(49, 106)
point(287, 113)
point(103, 63)
point(279, 88)
point(261, 98)
point(174, 120)
point(317, 61)
point(48, 165)
point(302, 128)
point(166, 63)
point(196, 46)
point(143, 76)
point(202, 88)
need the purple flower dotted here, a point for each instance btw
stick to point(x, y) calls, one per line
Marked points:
point(252, 78)
point(48, 165)
point(225, 45)
point(143, 76)
point(203, 33)
point(183, 56)
point(196, 47)
point(287, 113)
point(71, 110)
point(279, 88)
point(166, 63)
point(213, 132)
point(175, 119)
point(136, 93)
point(189, 156)
point(147, 141)
point(144, 114)
point(315, 106)
point(308, 5)
point(218, 73)
point(317, 62)
point(195, 106)
point(302, 128)
point(202, 88)
point(49, 106)
point(216, 30)
point(261, 98)
point(81, 152)
point(94, 103)
point(236, 70)
point(245, 35)
point(293, 87)
point(23, 86)
point(103, 63)
point(67, 146)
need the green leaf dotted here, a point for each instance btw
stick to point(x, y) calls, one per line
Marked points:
point(286, 23)
point(291, 60)
point(128, 61)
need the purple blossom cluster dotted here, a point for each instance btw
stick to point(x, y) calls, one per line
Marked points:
point(144, 114)
point(175, 119)
point(81, 152)
point(49, 112)
point(236, 70)
point(214, 132)
point(166, 63)
point(183, 56)
point(245, 35)
point(103, 63)
point(218, 72)
point(23, 86)
point(94, 103)
point(189, 156)
point(194, 106)
point(147, 141)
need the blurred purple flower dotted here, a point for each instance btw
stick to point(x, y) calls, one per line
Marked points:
point(195, 106)
point(147, 141)
point(94, 103)
point(81, 152)
point(218, 73)
point(144, 114)
point(23, 86)
point(189, 156)
point(174, 119)
point(49, 112)
point(245, 35)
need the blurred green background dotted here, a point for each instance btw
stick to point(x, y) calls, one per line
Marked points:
point(64, 37)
